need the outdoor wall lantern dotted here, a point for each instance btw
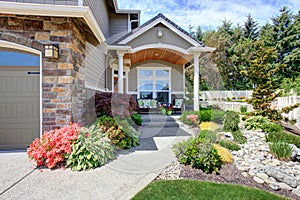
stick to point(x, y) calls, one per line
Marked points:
point(51, 51)
point(159, 33)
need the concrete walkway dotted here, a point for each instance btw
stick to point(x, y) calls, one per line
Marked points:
point(120, 179)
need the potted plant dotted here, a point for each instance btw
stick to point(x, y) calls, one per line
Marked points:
point(162, 109)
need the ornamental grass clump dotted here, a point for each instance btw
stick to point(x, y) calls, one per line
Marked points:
point(281, 150)
point(53, 146)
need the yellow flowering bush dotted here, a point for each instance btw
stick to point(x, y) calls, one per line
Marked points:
point(208, 126)
point(225, 154)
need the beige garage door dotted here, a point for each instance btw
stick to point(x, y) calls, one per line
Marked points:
point(19, 106)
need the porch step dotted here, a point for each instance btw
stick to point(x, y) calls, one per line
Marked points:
point(160, 124)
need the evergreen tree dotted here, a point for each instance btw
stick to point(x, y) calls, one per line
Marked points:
point(250, 29)
point(264, 73)
point(286, 39)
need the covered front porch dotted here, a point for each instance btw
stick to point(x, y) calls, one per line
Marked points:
point(149, 62)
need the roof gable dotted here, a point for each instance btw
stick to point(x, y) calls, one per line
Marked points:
point(160, 18)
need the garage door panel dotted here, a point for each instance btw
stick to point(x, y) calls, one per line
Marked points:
point(19, 107)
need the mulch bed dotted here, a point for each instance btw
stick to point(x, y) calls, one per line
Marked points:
point(229, 174)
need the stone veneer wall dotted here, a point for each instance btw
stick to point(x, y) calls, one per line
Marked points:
point(64, 93)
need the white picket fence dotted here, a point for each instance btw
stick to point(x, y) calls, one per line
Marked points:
point(282, 102)
point(223, 94)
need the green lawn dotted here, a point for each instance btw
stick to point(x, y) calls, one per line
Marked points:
point(197, 190)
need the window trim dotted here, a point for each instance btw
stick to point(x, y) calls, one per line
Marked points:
point(154, 78)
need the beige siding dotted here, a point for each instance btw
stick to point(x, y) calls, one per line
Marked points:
point(95, 65)
point(169, 37)
point(109, 78)
point(177, 78)
point(56, 2)
point(132, 80)
point(100, 11)
point(118, 23)
point(19, 107)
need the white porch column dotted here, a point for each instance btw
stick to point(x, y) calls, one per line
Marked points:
point(196, 81)
point(120, 72)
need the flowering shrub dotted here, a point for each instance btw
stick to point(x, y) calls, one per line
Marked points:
point(53, 146)
point(193, 118)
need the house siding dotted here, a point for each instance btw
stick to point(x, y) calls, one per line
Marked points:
point(150, 37)
point(95, 65)
point(101, 14)
point(118, 23)
point(63, 86)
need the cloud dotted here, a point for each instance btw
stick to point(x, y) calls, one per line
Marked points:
point(207, 13)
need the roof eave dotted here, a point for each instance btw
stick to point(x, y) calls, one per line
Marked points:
point(55, 11)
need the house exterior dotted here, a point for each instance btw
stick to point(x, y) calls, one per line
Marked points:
point(100, 48)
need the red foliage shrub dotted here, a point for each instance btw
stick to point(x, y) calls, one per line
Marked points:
point(111, 104)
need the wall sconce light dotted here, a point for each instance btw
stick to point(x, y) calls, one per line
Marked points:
point(159, 33)
point(51, 51)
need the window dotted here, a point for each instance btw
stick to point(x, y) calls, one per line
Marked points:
point(154, 84)
point(133, 21)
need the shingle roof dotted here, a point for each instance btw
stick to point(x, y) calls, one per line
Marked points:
point(160, 15)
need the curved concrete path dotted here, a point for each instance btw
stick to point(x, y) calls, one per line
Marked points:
point(120, 179)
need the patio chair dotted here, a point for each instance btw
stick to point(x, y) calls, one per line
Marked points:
point(178, 105)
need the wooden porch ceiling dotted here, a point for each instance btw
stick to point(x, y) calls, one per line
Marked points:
point(167, 55)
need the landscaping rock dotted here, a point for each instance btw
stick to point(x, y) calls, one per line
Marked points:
point(285, 186)
point(281, 176)
point(255, 160)
point(295, 153)
point(263, 176)
point(274, 186)
point(244, 174)
point(296, 191)
point(258, 180)
point(225, 136)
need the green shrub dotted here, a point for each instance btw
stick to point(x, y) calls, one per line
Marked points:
point(92, 149)
point(198, 153)
point(137, 119)
point(281, 150)
point(243, 109)
point(271, 127)
point(205, 115)
point(229, 145)
point(119, 131)
point(210, 136)
point(255, 122)
point(217, 115)
point(239, 137)
point(231, 121)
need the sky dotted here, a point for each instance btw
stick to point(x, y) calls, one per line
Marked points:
point(209, 14)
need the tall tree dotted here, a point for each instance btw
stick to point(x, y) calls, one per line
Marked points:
point(250, 29)
point(286, 38)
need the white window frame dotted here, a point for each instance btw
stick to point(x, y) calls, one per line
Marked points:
point(154, 78)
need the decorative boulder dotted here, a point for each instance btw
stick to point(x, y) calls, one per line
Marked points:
point(225, 136)
point(295, 153)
